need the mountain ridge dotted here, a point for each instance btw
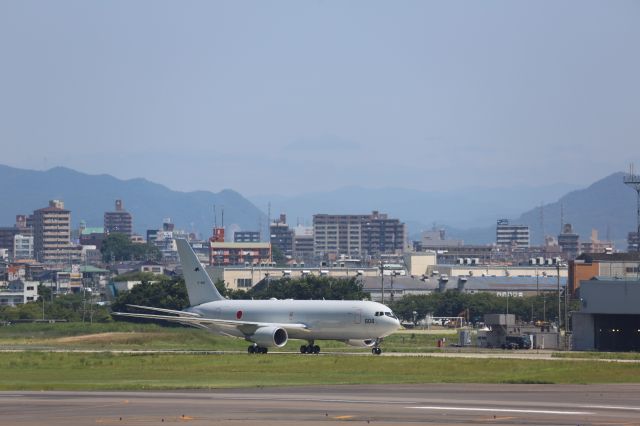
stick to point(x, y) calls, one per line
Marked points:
point(606, 205)
point(88, 196)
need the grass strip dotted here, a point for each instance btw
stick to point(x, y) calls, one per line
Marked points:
point(598, 355)
point(72, 371)
point(131, 336)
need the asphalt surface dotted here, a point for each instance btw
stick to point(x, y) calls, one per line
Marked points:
point(445, 404)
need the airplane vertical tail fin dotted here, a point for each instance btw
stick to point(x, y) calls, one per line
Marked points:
point(199, 285)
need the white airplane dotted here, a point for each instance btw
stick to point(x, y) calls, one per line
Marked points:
point(270, 323)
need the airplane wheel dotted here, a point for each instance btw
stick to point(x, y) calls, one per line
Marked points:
point(316, 349)
point(303, 349)
point(251, 349)
point(376, 351)
point(264, 350)
point(309, 349)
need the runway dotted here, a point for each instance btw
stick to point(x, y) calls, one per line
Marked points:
point(450, 404)
point(486, 354)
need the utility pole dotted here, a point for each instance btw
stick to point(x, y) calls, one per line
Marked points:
point(382, 279)
point(566, 317)
point(559, 302)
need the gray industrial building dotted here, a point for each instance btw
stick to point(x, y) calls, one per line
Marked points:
point(609, 316)
point(400, 286)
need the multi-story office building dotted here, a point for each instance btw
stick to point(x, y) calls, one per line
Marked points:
point(512, 236)
point(594, 245)
point(569, 241)
point(281, 236)
point(633, 242)
point(303, 243)
point(22, 247)
point(357, 235)
point(23, 226)
point(382, 235)
point(118, 221)
point(152, 235)
point(52, 234)
point(7, 235)
point(246, 237)
point(223, 254)
point(335, 235)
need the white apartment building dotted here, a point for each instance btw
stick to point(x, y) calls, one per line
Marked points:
point(510, 235)
point(23, 247)
point(18, 292)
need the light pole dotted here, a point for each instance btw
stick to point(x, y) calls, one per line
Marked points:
point(382, 279)
point(566, 315)
point(559, 303)
point(393, 274)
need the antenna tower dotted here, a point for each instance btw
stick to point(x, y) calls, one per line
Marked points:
point(542, 221)
point(633, 180)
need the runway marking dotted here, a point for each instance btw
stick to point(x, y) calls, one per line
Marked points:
point(504, 410)
point(494, 418)
point(343, 417)
point(611, 407)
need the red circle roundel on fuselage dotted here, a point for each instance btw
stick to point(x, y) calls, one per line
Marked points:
point(239, 315)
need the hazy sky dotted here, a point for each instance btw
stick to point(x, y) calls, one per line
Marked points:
point(289, 96)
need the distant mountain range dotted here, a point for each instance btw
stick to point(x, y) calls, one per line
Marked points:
point(607, 205)
point(89, 196)
point(464, 212)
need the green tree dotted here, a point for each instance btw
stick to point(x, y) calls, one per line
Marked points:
point(277, 256)
point(164, 293)
point(70, 307)
point(310, 287)
point(118, 247)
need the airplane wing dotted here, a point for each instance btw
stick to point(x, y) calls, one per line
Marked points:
point(245, 327)
point(166, 311)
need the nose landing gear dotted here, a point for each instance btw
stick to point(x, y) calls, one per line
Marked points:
point(376, 350)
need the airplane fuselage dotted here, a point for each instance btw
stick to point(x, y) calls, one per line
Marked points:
point(325, 319)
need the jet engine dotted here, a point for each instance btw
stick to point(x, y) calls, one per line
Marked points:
point(269, 337)
point(361, 343)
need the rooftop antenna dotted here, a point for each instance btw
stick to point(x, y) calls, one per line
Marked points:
point(633, 180)
point(215, 217)
point(561, 217)
point(269, 213)
point(223, 216)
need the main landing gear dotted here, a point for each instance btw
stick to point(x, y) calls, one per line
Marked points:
point(376, 350)
point(310, 348)
point(255, 349)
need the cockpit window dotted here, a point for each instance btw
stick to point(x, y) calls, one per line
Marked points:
point(390, 314)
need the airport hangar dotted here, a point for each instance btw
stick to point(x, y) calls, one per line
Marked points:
point(609, 316)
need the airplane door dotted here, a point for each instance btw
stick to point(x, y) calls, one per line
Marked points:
point(357, 316)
